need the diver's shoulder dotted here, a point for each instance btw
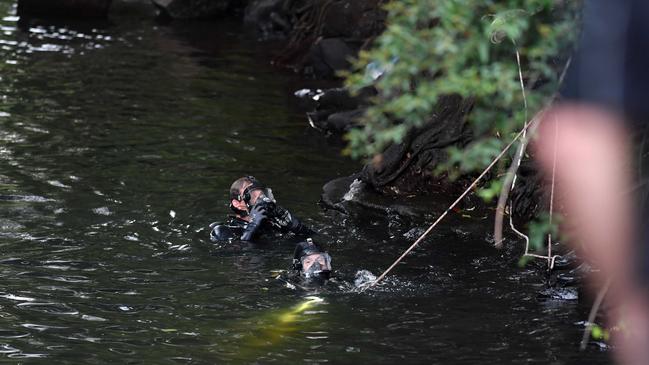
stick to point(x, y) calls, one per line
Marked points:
point(228, 230)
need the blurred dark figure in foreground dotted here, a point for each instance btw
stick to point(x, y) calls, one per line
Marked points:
point(607, 87)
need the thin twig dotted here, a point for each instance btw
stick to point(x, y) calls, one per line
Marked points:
point(512, 170)
point(554, 170)
point(549, 258)
point(510, 178)
point(593, 313)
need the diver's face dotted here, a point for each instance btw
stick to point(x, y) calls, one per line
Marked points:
point(315, 264)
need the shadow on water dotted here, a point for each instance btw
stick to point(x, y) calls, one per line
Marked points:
point(118, 141)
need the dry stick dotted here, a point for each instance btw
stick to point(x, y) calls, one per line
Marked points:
point(554, 170)
point(511, 176)
point(549, 258)
point(473, 184)
point(510, 179)
point(593, 313)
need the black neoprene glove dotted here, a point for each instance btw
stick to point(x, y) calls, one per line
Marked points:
point(257, 215)
point(285, 220)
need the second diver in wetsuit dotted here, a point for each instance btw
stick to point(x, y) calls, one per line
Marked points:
point(256, 212)
point(311, 262)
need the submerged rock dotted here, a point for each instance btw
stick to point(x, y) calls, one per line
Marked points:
point(193, 9)
point(67, 8)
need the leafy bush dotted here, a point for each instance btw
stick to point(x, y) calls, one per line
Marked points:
point(465, 47)
point(476, 49)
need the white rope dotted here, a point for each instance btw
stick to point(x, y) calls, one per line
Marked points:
point(473, 184)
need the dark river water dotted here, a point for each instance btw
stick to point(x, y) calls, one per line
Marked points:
point(118, 141)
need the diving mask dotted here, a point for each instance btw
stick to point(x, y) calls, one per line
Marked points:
point(311, 261)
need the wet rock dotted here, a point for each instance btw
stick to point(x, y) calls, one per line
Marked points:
point(269, 18)
point(331, 55)
point(193, 9)
point(353, 19)
point(64, 8)
point(334, 191)
point(325, 33)
point(350, 195)
point(335, 109)
point(335, 122)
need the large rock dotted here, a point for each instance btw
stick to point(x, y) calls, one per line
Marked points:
point(75, 8)
point(269, 18)
point(194, 9)
point(353, 19)
point(331, 55)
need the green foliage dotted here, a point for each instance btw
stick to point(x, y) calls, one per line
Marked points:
point(599, 333)
point(465, 47)
point(540, 228)
point(491, 190)
point(469, 48)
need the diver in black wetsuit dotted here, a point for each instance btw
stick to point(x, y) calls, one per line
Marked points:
point(311, 262)
point(256, 212)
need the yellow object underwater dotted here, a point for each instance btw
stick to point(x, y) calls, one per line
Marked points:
point(289, 317)
point(259, 337)
point(275, 327)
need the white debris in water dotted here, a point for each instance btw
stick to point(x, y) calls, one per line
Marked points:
point(314, 299)
point(102, 211)
point(93, 318)
point(414, 233)
point(58, 184)
point(314, 94)
point(17, 298)
point(132, 237)
point(172, 214)
point(363, 277)
point(302, 93)
point(4, 114)
point(354, 188)
point(124, 308)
